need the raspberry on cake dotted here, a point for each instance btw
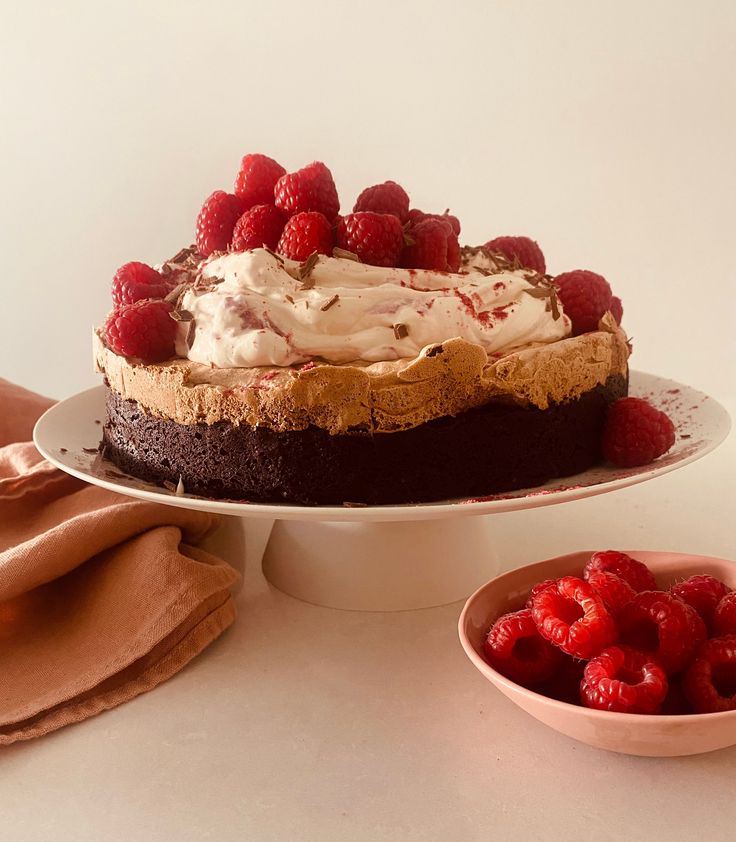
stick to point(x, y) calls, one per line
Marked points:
point(305, 357)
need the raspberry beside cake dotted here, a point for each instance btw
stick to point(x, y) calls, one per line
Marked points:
point(330, 379)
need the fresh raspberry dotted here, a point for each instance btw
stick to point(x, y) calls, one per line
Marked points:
point(135, 281)
point(586, 297)
point(305, 233)
point(565, 683)
point(623, 680)
point(388, 197)
point(633, 572)
point(310, 189)
point(617, 309)
point(260, 226)
point(572, 616)
point(434, 246)
point(144, 330)
point(675, 702)
point(662, 626)
point(538, 588)
point(256, 179)
point(415, 216)
point(515, 648)
point(724, 617)
point(636, 433)
point(710, 680)
point(216, 221)
point(522, 249)
point(703, 593)
point(377, 238)
point(613, 590)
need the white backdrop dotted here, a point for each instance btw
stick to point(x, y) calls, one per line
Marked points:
point(607, 131)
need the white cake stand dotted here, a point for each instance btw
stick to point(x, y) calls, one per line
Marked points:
point(380, 558)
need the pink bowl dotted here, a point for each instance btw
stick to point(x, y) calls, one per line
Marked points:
point(649, 736)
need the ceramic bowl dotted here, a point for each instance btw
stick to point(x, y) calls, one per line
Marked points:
point(649, 736)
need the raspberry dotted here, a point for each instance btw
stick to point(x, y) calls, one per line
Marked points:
point(724, 617)
point(662, 626)
point(585, 296)
point(623, 680)
point(388, 197)
point(216, 221)
point(710, 681)
point(377, 238)
point(305, 233)
point(135, 281)
point(612, 589)
point(260, 226)
point(635, 433)
point(144, 330)
point(675, 702)
point(572, 616)
point(434, 246)
point(565, 683)
point(256, 179)
point(703, 593)
point(617, 309)
point(310, 189)
point(515, 648)
point(416, 216)
point(538, 588)
point(633, 572)
point(522, 249)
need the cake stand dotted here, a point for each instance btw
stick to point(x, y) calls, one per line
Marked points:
point(379, 558)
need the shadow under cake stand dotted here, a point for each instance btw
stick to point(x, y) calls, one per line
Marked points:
point(379, 558)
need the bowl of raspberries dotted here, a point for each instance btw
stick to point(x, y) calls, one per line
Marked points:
point(633, 652)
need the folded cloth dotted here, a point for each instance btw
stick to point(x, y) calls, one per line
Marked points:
point(102, 597)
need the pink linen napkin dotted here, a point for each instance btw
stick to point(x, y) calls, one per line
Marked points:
point(102, 597)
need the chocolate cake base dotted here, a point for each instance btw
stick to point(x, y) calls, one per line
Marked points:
point(487, 450)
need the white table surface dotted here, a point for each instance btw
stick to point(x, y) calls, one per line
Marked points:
point(306, 723)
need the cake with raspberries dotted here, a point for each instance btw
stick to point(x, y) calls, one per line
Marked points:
point(294, 354)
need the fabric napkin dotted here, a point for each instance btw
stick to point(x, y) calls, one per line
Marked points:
point(102, 597)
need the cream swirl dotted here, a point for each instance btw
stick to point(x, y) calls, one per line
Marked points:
point(260, 313)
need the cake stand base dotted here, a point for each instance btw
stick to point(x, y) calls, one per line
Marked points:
point(394, 566)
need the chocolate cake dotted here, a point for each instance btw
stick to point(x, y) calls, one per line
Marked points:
point(447, 421)
point(297, 355)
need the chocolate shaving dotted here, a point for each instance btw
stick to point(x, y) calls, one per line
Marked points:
point(326, 306)
point(435, 351)
point(305, 269)
point(183, 255)
point(169, 485)
point(181, 316)
point(401, 331)
point(685, 436)
point(91, 449)
point(553, 301)
point(173, 296)
point(289, 299)
point(273, 254)
point(63, 450)
point(345, 254)
point(97, 421)
point(538, 292)
point(189, 338)
point(349, 505)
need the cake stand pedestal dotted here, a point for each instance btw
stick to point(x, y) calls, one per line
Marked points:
point(378, 558)
point(390, 566)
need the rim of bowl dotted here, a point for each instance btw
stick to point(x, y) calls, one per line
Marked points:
point(481, 664)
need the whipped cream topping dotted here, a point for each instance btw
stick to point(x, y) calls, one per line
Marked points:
point(253, 309)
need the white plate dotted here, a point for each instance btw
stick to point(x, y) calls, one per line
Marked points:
point(68, 435)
